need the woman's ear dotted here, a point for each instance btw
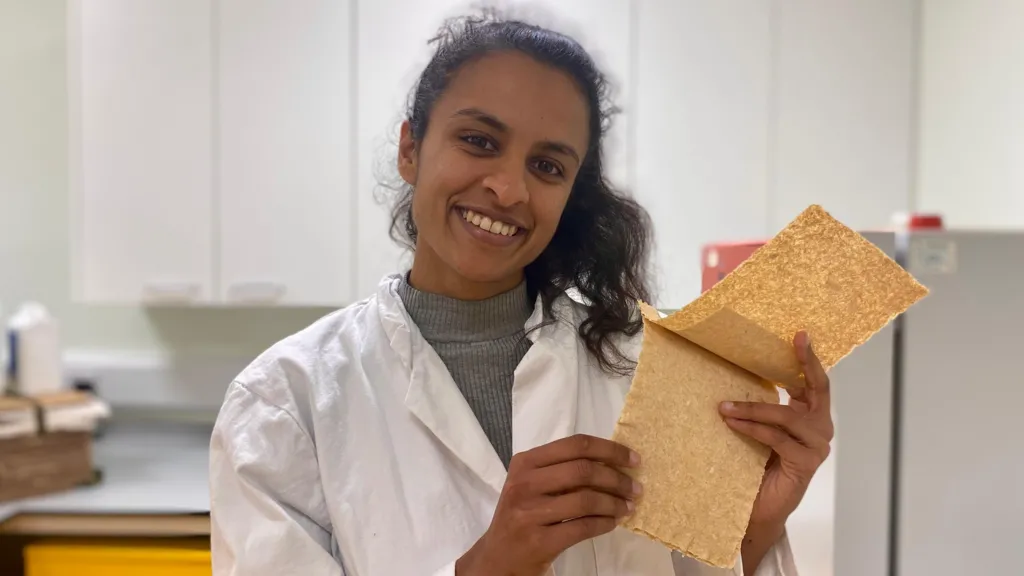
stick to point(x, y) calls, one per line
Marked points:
point(407, 155)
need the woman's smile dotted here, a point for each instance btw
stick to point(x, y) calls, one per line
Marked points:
point(488, 230)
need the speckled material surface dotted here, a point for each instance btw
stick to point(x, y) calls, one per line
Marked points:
point(700, 478)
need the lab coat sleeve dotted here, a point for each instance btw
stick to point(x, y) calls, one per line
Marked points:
point(267, 509)
point(778, 561)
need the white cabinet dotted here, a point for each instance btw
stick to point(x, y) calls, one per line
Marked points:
point(236, 151)
point(702, 120)
point(211, 151)
point(843, 110)
point(285, 189)
point(393, 50)
point(140, 78)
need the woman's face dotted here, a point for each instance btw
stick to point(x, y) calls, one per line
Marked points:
point(493, 173)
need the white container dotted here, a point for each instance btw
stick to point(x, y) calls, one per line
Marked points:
point(35, 350)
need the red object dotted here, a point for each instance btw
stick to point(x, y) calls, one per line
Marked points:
point(925, 222)
point(718, 260)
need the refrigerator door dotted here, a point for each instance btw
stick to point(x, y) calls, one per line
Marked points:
point(961, 443)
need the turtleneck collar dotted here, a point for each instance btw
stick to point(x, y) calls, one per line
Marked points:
point(444, 319)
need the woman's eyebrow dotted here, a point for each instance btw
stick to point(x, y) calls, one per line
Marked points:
point(560, 148)
point(480, 115)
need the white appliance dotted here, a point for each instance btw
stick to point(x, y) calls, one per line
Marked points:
point(943, 431)
point(928, 458)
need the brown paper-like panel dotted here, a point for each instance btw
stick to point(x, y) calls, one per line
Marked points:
point(816, 275)
point(699, 478)
point(728, 334)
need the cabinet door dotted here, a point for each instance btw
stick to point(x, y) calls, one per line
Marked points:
point(393, 50)
point(141, 172)
point(285, 196)
point(703, 80)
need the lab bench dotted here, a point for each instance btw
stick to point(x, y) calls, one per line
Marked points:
point(152, 505)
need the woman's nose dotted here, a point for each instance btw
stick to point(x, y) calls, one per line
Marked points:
point(509, 186)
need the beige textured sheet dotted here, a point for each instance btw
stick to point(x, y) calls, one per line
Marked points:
point(701, 478)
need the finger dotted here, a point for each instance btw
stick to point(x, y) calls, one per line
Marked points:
point(582, 503)
point(582, 446)
point(798, 399)
point(800, 406)
point(819, 395)
point(777, 439)
point(780, 416)
point(560, 537)
point(797, 394)
point(582, 473)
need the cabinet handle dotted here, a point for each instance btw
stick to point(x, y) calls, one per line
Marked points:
point(256, 292)
point(170, 292)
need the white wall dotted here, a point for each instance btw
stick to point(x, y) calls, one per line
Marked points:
point(751, 110)
point(842, 110)
point(34, 219)
point(702, 126)
point(971, 135)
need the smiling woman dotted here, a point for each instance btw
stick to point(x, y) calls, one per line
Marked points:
point(456, 422)
point(507, 122)
point(505, 164)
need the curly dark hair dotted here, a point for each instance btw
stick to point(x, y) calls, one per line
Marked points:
point(601, 245)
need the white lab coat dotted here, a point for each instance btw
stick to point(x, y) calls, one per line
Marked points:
point(348, 449)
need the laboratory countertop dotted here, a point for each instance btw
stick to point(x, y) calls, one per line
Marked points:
point(148, 468)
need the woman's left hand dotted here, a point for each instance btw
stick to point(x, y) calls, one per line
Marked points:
point(799, 434)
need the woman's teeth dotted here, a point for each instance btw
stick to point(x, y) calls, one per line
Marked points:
point(492, 226)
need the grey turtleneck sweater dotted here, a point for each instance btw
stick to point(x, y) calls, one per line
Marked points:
point(481, 343)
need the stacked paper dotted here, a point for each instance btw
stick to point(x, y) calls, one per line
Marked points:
point(17, 418)
point(60, 411)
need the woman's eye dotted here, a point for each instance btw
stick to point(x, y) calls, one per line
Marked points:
point(479, 142)
point(548, 167)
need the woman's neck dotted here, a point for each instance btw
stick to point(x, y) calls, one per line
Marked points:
point(430, 274)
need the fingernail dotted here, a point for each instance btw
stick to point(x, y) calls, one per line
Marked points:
point(637, 488)
point(634, 458)
point(630, 506)
point(807, 342)
point(728, 406)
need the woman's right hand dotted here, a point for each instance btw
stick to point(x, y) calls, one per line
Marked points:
point(555, 496)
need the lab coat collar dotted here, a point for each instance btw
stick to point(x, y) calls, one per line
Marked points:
point(544, 394)
point(432, 396)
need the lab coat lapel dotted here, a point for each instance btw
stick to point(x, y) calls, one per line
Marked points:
point(434, 398)
point(544, 395)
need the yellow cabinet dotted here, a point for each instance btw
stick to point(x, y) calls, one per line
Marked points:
point(118, 558)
